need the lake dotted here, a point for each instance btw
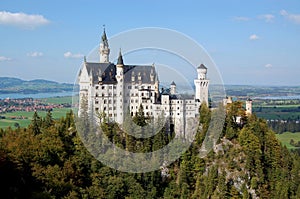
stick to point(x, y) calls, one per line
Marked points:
point(36, 95)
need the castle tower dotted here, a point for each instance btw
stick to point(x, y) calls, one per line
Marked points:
point(120, 89)
point(249, 106)
point(104, 49)
point(201, 84)
point(173, 88)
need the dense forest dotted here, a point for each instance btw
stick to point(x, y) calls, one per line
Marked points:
point(48, 160)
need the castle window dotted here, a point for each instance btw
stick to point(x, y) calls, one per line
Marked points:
point(102, 94)
point(102, 87)
point(110, 108)
point(149, 87)
point(114, 101)
point(142, 94)
point(104, 102)
point(131, 101)
point(110, 115)
point(129, 87)
point(131, 113)
point(97, 109)
point(177, 108)
point(114, 108)
point(131, 107)
point(146, 107)
point(97, 87)
point(115, 87)
point(109, 101)
point(96, 102)
point(96, 94)
point(115, 115)
point(136, 101)
point(177, 113)
point(104, 108)
point(136, 94)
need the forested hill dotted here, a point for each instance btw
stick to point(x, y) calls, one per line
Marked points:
point(15, 85)
point(48, 160)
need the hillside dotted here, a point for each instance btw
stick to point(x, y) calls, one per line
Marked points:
point(16, 85)
point(49, 160)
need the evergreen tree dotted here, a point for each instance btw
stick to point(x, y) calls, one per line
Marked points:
point(35, 123)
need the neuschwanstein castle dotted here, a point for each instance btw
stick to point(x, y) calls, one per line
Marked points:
point(114, 89)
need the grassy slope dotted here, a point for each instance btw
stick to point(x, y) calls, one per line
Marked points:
point(286, 137)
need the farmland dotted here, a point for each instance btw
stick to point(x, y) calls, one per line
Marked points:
point(23, 118)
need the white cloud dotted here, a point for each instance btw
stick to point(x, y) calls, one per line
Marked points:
point(291, 17)
point(35, 54)
point(241, 19)
point(254, 37)
point(2, 58)
point(267, 17)
point(71, 55)
point(268, 65)
point(22, 20)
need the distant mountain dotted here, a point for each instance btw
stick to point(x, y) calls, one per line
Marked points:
point(16, 85)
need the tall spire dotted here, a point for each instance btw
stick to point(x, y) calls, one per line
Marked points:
point(104, 37)
point(104, 48)
point(120, 58)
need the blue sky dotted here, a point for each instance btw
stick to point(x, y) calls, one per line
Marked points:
point(252, 42)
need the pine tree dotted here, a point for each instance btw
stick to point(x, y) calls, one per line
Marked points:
point(35, 123)
point(48, 120)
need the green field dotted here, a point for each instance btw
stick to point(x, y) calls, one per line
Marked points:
point(279, 112)
point(56, 113)
point(58, 100)
point(286, 137)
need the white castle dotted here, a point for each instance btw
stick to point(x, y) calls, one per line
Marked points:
point(114, 89)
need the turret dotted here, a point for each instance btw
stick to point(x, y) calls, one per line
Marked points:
point(104, 49)
point(201, 85)
point(201, 70)
point(173, 88)
point(120, 65)
point(249, 106)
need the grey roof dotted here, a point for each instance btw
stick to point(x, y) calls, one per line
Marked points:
point(104, 38)
point(173, 83)
point(120, 59)
point(202, 66)
point(108, 72)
